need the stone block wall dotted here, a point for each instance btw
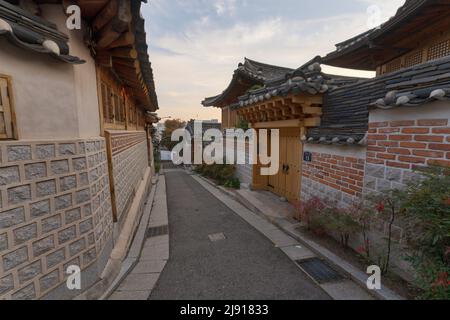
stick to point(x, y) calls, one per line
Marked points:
point(55, 211)
point(244, 172)
point(129, 162)
point(333, 175)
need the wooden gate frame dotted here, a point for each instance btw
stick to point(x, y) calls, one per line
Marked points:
point(295, 111)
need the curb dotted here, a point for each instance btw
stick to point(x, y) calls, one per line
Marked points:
point(135, 250)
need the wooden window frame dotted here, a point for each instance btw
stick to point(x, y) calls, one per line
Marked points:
point(9, 113)
point(118, 112)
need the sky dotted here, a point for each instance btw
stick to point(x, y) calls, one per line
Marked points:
point(195, 45)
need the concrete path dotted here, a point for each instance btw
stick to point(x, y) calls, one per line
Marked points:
point(217, 254)
point(154, 255)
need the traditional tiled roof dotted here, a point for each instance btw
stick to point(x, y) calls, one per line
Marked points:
point(252, 73)
point(143, 57)
point(354, 52)
point(206, 125)
point(346, 109)
point(33, 33)
point(307, 79)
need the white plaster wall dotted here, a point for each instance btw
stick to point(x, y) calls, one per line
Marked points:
point(85, 80)
point(433, 110)
point(343, 151)
point(53, 99)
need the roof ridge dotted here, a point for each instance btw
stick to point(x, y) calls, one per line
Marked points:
point(254, 62)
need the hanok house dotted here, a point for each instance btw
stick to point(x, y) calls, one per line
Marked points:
point(75, 116)
point(277, 98)
point(345, 138)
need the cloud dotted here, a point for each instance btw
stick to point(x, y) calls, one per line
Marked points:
point(224, 7)
point(198, 60)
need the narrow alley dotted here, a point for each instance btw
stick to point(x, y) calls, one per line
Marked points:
point(244, 265)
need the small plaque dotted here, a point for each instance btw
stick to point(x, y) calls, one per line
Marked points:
point(307, 156)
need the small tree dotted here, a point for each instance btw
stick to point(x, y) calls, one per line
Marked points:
point(171, 126)
point(342, 221)
point(388, 206)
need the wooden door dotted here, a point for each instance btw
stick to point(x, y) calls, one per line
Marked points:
point(277, 182)
point(293, 166)
point(6, 127)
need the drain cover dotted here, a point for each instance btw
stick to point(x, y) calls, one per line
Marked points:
point(157, 231)
point(319, 270)
point(216, 237)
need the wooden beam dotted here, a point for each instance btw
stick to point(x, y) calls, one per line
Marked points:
point(127, 53)
point(125, 40)
point(117, 25)
point(312, 122)
point(317, 99)
point(293, 123)
point(106, 15)
point(312, 110)
point(104, 59)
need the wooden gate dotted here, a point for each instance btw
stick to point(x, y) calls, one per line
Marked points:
point(286, 183)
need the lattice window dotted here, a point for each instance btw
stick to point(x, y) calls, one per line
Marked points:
point(6, 115)
point(413, 59)
point(394, 65)
point(439, 50)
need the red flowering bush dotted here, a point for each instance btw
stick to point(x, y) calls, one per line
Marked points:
point(311, 213)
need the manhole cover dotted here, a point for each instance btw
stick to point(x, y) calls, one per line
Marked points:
point(157, 231)
point(319, 270)
point(216, 237)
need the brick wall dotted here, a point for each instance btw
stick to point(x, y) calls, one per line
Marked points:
point(55, 211)
point(395, 148)
point(333, 177)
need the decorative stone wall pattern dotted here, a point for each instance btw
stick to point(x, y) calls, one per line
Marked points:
point(333, 177)
point(55, 210)
point(244, 172)
point(129, 162)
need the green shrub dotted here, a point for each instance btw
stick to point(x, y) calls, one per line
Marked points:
point(233, 183)
point(426, 208)
point(221, 173)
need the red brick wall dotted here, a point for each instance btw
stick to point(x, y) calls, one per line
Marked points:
point(345, 174)
point(411, 143)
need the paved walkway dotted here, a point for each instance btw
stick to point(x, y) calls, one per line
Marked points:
point(139, 283)
point(215, 254)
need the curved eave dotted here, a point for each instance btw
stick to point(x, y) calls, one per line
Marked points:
point(238, 76)
point(308, 80)
point(151, 100)
point(362, 45)
point(38, 44)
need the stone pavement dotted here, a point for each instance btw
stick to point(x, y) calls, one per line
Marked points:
point(139, 283)
point(216, 254)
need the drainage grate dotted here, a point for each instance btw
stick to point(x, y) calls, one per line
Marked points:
point(319, 270)
point(157, 231)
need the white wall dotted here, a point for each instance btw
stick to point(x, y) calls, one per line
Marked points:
point(53, 99)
